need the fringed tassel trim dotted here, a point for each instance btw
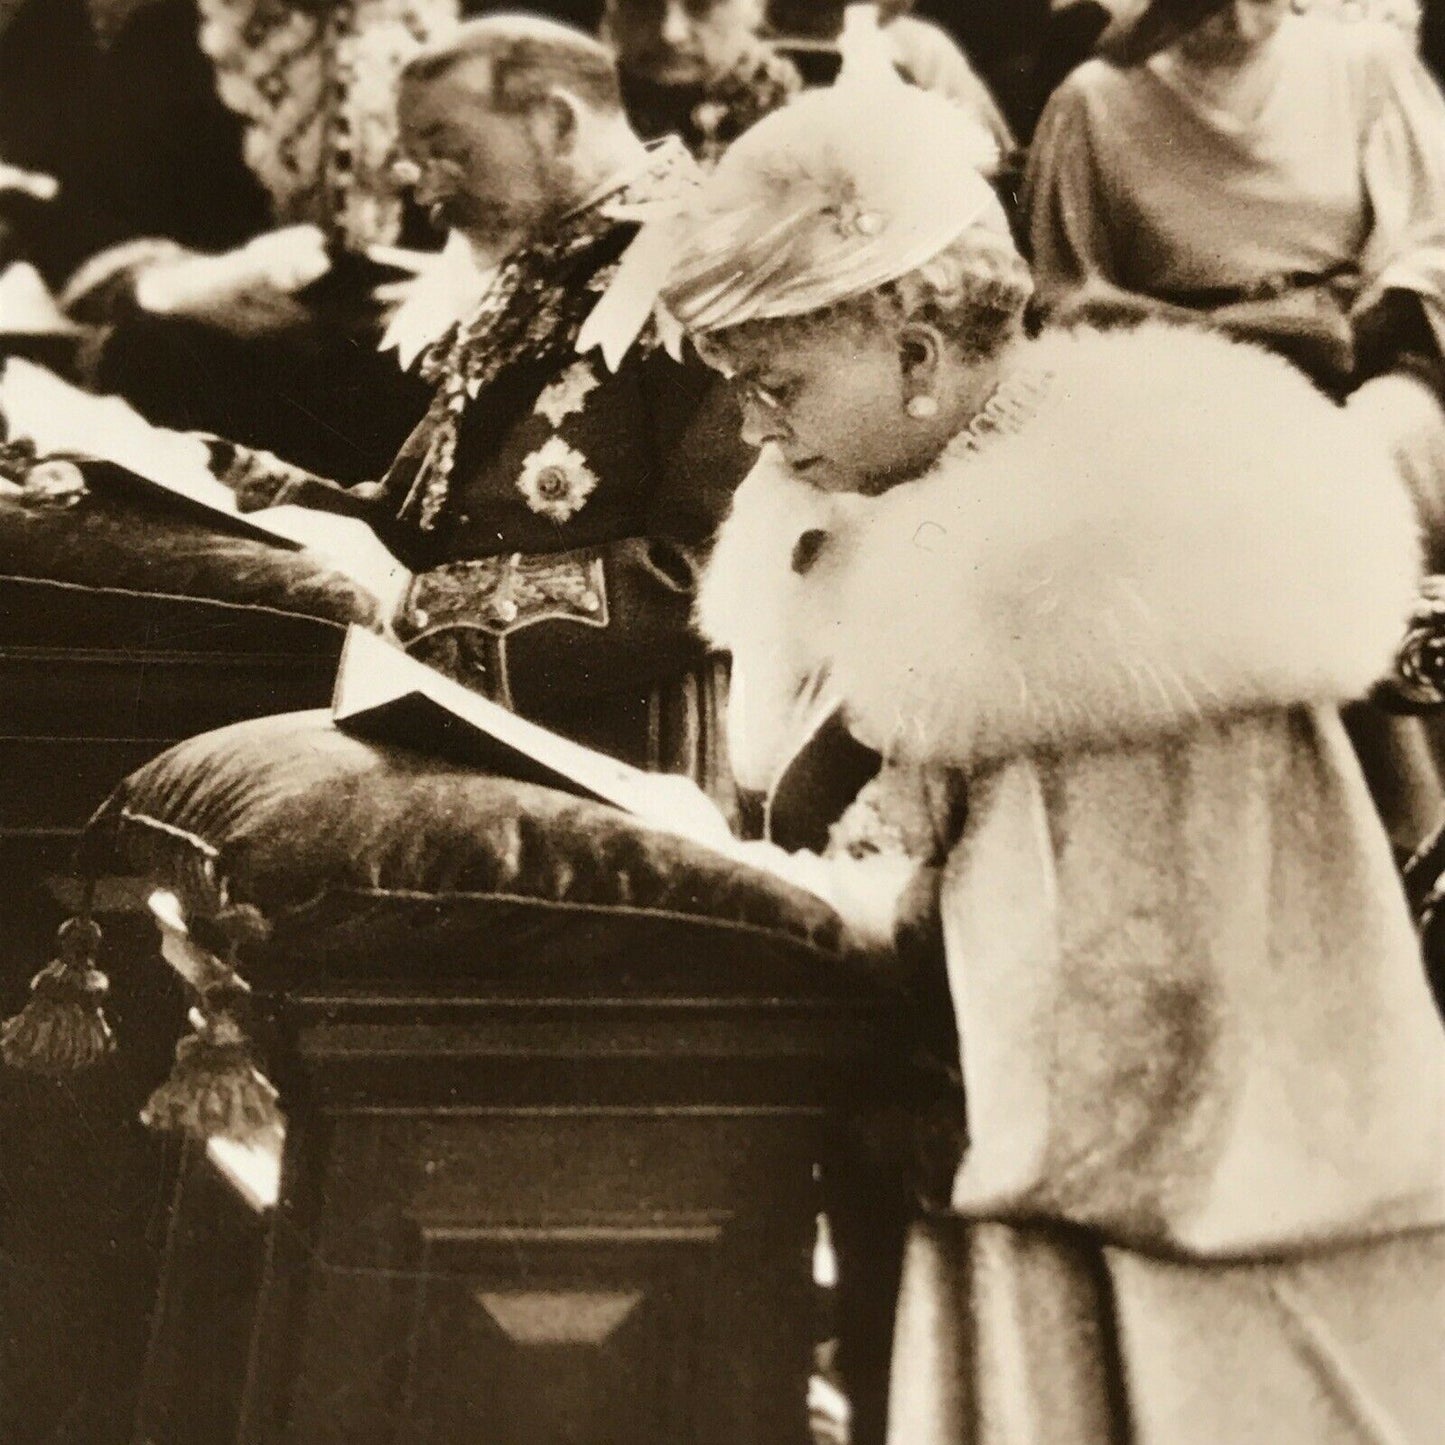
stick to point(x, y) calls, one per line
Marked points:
point(215, 1088)
point(63, 1028)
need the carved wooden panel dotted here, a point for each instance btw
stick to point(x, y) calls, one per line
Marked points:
point(590, 1337)
point(550, 1220)
point(198, 1364)
point(578, 1278)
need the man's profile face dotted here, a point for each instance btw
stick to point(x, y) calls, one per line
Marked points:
point(476, 169)
point(679, 42)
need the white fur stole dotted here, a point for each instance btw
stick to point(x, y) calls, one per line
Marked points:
point(1184, 529)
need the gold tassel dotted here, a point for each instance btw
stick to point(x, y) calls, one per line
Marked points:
point(63, 1028)
point(214, 1087)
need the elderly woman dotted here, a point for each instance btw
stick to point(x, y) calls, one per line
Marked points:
point(1094, 599)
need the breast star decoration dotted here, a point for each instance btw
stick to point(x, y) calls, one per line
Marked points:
point(568, 394)
point(556, 481)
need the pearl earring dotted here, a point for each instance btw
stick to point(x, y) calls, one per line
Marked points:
point(921, 408)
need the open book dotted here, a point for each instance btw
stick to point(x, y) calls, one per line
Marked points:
point(384, 695)
point(174, 467)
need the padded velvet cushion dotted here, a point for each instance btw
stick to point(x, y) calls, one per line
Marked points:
point(121, 571)
point(125, 626)
point(374, 862)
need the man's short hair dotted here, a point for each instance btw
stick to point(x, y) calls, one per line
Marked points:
point(527, 58)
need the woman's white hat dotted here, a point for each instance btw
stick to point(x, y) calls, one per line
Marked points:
point(834, 195)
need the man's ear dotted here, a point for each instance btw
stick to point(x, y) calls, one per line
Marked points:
point(920, 354)
point(557, 122)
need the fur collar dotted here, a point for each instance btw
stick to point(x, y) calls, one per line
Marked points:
point(1185, 528)
point(750, 603)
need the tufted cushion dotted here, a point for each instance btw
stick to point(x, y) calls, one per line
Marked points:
point(376, 862)
point(124, 627)
point(165, 579)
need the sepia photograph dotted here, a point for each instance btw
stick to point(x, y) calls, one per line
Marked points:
point(722, 722)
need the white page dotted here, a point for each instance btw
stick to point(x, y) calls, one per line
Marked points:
point(59, 417)
point(374, 671)
point(346, 543)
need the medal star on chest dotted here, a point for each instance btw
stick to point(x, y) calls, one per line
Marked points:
point(568, 394)
point(555, 480)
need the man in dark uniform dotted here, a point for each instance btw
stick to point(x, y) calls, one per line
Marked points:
point(555, 509)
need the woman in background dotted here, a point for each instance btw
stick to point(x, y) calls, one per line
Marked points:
point(1281, 177)
point(1094, 599)
point(1281, 174)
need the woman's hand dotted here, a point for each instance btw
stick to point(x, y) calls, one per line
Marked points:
point(866, 893)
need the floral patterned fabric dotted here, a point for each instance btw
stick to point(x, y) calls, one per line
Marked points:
point(501, 594)
point(315, 86)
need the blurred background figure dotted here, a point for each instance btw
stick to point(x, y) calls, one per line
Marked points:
point(30, 321)
point(697, 69)
point(1281, 177)
point(924, 53)
point(225, 165)
point(1021, 48)
point(1318, 229)
point(708, 69)
point(1292, 189)
point(48, 55)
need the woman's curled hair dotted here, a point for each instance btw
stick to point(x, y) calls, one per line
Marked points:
point(974, 291)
